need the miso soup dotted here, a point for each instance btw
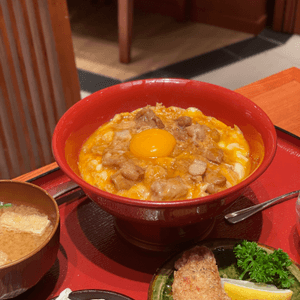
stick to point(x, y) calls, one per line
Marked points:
point(22, 230)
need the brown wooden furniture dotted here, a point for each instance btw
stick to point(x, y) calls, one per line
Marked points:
point(177, 9)
point(277, 95)
point(286, 17)
point(174, 8)
point(38, 81)
point(246, 16)
point(125, 22)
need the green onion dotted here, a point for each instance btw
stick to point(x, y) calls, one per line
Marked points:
point(5, 205)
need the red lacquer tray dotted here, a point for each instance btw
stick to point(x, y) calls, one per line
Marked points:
point(93, 256)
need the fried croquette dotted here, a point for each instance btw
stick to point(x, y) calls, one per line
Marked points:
point(197, 276)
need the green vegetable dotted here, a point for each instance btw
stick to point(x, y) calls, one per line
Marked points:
point(261, 267)
point(5, 205)
point(167, 293)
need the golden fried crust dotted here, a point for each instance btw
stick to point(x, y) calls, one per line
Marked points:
point(197, 277)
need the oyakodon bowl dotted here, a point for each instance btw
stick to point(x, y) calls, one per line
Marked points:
point(152, 224)
point(20, 275)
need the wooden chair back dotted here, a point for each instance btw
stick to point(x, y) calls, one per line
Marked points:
point(38, 81)
point(286, 16)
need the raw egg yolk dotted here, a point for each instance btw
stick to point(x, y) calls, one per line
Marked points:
point(152, 143)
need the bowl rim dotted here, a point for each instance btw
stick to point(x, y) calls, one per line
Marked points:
point(157, 204)
point(55, 227)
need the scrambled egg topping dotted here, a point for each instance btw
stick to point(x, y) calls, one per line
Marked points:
point(164, 153)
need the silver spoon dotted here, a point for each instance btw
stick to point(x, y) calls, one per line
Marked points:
point(245, 213)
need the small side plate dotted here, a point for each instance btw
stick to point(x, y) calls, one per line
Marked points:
point(96, 294)
point(222, 249)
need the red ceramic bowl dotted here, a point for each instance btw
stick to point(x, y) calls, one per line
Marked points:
point(135, 216)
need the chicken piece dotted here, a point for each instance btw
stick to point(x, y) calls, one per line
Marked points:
point(132, 172)
point(197, 277)
point(112, 158)
point(214, 155)
point(168, 189)
point(147, 118)
point(198, 167)
point(121, 136)
point(120, 182)
point(215, 177)
point(184, 121)
point(154, 173)
point(121, 140)
point(216, 181)
point(179, 133)
point(197, 132)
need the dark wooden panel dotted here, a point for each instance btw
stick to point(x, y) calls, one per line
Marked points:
point(278, 16)
point(38, 81)
point(177, 9)
point(297, 19)
point(286, 16)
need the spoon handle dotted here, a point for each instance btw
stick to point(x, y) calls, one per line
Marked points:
point(243, 214)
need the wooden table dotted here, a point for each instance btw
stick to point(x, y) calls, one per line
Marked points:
point(93, 256)
point(278, 95)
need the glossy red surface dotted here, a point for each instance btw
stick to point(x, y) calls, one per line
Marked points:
point(81, 120)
